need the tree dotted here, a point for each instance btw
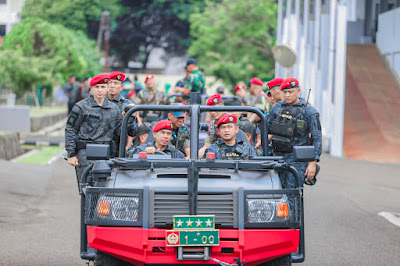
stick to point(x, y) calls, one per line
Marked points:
point(83, 15)
point(37, 52)
point(152, 24)
point(233, 39)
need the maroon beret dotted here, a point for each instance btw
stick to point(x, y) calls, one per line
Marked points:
point(149, 76)
point(275, 82)
point(239, 86)
point(163, 124)
point(100, 79)
point(290, 83)
point(226, 119)
point(214, 99)
point(256, 81)
point(117, 75)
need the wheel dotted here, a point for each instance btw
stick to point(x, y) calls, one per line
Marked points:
point(161, 152)
point(103, 259)
point(281, 261)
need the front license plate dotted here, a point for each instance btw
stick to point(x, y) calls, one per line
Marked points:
point(179, 238)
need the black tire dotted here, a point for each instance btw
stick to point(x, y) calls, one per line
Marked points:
point(103, 259)
point(281, 261)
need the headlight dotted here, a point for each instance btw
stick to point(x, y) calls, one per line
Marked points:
point(118, 208)
point(263, 208)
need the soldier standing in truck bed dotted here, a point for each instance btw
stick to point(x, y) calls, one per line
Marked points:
point(93, 120)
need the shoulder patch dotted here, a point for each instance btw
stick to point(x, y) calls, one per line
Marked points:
point(72, 118)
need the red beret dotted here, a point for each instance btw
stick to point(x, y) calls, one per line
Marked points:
point(163, 124)
point(149, 76)
point(100, 79)
point(226, 119)
point(239, 86)
point(214, 99)
point(275, 82)
point(117, 75)
point(256, 81)
point(290, 83)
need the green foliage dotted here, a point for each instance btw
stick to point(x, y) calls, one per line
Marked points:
point(73, 14)
point(37, 52)
point(233, 39)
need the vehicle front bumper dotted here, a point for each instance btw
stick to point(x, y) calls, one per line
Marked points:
point(147, 246)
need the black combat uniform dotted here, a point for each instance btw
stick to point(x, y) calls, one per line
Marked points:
point(170, 150)
point(240, 151)
point(91, 123)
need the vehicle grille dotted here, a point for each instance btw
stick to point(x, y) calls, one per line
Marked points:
point(165, 206)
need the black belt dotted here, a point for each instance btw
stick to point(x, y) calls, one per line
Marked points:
point(80, 145)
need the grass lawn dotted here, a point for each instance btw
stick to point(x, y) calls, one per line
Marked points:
point(47, 110)
point(42, 156)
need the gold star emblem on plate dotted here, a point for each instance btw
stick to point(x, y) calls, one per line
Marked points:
point(179, 223)
point(198, 223)
point(189, 223)
point(208, 222)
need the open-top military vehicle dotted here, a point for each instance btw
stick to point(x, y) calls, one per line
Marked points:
point(153, 209)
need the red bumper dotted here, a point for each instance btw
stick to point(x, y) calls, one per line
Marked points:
point(140, 246)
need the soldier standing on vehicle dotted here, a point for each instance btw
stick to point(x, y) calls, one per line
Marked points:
point(196, 80)
point(149, 95)
point(93, 120)
point(291, 123)
point(240, 91)
point(274, 88)
point(180, 132)
point(213, 136)
point(162, 132)
point(228, 147)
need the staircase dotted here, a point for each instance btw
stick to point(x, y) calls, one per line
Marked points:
point(372, 107)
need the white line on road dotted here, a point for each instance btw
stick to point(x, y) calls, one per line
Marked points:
point(391, 217)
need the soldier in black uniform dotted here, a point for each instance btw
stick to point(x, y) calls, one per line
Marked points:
point(162, 132)
point(293, 122)
point(92, 120)
point(142, 135)
point(228, 147)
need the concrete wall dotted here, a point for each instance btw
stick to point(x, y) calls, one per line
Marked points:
point(388, 38)
point(9, 145)
point(41, 121)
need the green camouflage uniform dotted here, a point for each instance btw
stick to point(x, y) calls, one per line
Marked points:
point(149, 97)
point(195, 81)
point(183, 139)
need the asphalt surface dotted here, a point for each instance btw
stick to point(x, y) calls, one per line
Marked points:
point(39, 214)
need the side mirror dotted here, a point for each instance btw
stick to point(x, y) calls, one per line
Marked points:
point(98, 151)
point(304, 153)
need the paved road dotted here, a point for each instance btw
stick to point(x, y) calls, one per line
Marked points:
point(39, 214)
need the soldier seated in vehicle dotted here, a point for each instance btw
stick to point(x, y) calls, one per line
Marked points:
point(162, 132)
point(142, 135)
point(180, 132)
point(228, 147)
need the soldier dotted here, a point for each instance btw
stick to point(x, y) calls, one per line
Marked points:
point(228, 147)
point(180, 86)
point(291, 122)
point(150, 95)
point(162, 132)
point(71, 89)
point(142, 135)
point(213, 136)
point(195, 81)
point(274, 88)
point(116, 85)
point(240, 91)
point(234, 101)
point(220, 90)
point(257, 98)
point(92, 120)
point(180, 132)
